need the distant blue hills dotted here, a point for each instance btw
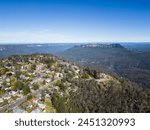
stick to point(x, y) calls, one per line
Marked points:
point(129, 60)
point(23, 49)
point(57, 48)
point(125, 60)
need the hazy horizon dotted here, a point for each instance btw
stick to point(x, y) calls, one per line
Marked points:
point(36, 43)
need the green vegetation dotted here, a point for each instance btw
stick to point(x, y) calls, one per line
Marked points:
point(60, 103)
point(3, 103)
point(114, 60)
point(35, 86)
point(69, 88)
point(92, 96)
point(49, 106)
point(29, 97)
point(33, 67)
point(4, 82)
point(2, 92)
point(18, 85)
point(3, 71)
point(26, 90)
point(60, 84)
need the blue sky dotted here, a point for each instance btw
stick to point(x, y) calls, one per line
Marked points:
point(24, 21)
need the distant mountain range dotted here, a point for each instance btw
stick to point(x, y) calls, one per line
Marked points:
point(101, 46)
point(129, 60)
point(26, 49)
point(113, 58)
